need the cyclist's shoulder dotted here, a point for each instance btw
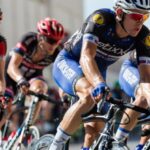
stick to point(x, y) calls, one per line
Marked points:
point(102, 16)
point(29, 37)
point(28, 41)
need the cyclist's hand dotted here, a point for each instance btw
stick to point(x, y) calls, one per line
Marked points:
point(4, 101)
point(98, 91)
point(23, 85)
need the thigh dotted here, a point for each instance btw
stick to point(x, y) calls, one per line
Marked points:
point(66, 72)
point(129, 78)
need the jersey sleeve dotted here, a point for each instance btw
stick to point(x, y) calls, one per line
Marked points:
point(96, 23)
point(143, 47)
point(3, 46)
point(26, 43)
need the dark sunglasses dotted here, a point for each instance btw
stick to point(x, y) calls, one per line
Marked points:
point(137, 16)
point(50, 41)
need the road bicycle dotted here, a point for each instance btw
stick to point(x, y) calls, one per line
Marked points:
point(27, 132)
point(105, 141)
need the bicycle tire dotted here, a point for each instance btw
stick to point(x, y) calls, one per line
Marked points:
point(35, 132)
point(32, 136)
point(43, 143)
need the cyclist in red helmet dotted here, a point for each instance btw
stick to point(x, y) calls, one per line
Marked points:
point(34, 52)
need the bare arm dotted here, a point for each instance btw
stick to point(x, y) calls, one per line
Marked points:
point(13, 67)
point(2, 78)
point(88, 63)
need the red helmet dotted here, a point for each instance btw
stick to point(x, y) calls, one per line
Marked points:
point(51, 28)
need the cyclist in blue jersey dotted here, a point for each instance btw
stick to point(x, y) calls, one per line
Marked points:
point(34, 52)
point(129, 79)
point(80, 68)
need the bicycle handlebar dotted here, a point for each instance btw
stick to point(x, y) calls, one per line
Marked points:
point(45, 97)
point(119, 104)
point(122, 104)
point(40, 96)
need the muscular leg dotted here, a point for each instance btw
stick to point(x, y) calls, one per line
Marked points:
point(92, 130)
point(72, 118)
point(133, 119)
point(84, 104)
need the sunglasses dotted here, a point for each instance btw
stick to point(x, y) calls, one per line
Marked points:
point(50, 40)
point(137, 16)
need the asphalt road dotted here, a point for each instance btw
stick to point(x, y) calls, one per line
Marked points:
point(131, 145)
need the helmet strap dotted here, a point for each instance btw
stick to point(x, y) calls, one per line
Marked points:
point(121, 22)
point(120, 15)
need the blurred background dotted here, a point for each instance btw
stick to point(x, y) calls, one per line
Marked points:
point(21, 16)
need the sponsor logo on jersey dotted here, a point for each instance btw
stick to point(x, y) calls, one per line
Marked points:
point(147, 41)
point(115, 51)
point(98, 18)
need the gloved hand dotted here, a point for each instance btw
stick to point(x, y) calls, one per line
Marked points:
point(23, 85)
point(99, 90)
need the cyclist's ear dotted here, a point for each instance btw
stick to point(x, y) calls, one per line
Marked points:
point(119, 14)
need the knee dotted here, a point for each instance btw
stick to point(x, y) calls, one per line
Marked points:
point(86, 98)
point(39, 86)
point(141, 103)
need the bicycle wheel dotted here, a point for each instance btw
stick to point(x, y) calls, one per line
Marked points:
point(32, 136)
point(43, 143)
point(34, 132)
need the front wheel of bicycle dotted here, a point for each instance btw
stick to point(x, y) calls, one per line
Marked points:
point(31, 136)
point(34, 132)
point(43, 143)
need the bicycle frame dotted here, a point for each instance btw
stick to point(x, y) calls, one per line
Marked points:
point(24, 127)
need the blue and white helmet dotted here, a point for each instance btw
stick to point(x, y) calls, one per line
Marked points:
point(142, 5)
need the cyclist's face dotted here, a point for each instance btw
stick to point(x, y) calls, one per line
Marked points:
point(133, 22)
point(48, 48)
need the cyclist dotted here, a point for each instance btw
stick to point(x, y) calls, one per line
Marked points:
point(80, 68)
point(34, 52)
point(3, 49)
point(129, 78)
